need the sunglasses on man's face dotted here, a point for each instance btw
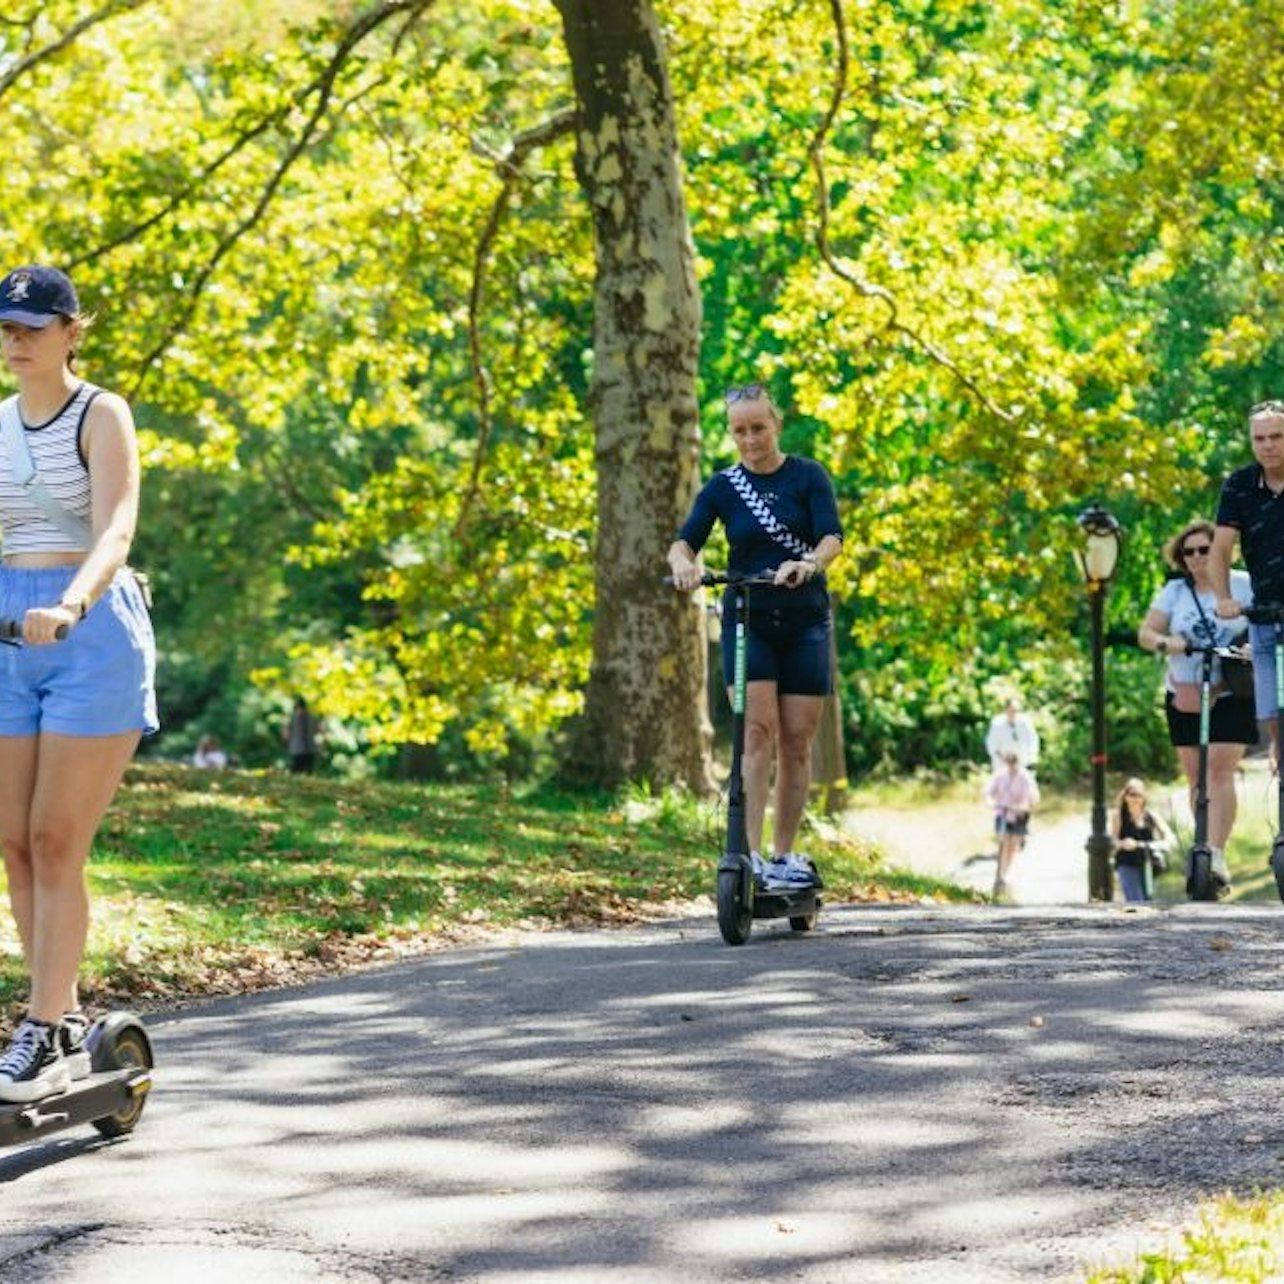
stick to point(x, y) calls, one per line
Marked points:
point(750, 392)
point(1197, 550)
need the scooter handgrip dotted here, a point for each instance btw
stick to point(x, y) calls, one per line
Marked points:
point(12, 630)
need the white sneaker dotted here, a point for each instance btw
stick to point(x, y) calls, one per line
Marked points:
point(791, 872)
point(33, 1067)
point(72, 1030)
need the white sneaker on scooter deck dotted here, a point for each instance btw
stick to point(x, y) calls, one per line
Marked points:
point(72, 1030)
point(34, 1066)
point(791, 873)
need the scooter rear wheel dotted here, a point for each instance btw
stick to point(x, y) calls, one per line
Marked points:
point(735, 916)
point(1199, 886)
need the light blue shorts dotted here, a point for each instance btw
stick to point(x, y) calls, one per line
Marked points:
point(1263, 640)
point(98, 681)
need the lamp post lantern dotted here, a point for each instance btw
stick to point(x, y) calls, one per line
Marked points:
point(1102, 539)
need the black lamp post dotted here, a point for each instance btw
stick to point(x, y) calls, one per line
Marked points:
point(1102, 538)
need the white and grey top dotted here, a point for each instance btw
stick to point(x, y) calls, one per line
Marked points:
point(56, 452)
point(1176, 601)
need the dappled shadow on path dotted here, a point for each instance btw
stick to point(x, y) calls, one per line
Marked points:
point(908, 1094)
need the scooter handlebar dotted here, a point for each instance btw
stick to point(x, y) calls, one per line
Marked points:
point(11, 630)
point(754, 578)
point(1265, 613)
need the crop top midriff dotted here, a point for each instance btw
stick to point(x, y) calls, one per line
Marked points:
point(56, 453)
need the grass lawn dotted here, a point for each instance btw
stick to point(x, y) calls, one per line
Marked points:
point(223, 882)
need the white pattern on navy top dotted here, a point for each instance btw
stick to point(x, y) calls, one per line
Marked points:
point(766, 518)
point(55, 451)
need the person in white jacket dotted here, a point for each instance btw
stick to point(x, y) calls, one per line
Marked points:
point(1012, 732)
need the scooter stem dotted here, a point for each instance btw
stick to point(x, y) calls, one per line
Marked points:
point(737, 829)
point(1201, 777)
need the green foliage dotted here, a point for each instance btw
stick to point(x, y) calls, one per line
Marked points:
point(904, 718)
point(362, 391)
point(1234, 1240)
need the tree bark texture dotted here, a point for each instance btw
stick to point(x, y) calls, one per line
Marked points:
point(645, 705)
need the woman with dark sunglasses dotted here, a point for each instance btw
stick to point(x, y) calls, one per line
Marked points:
point(780, 516)
point(1184, 611)
point(1142, 842)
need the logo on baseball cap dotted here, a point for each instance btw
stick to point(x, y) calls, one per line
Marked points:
point(34, 296)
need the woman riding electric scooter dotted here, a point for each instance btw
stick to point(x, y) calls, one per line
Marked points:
point(781, 518)
point(1210, 735)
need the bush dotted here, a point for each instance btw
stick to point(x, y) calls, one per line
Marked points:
point(901, 720)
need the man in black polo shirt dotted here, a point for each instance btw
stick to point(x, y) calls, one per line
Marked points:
point(1251, 510)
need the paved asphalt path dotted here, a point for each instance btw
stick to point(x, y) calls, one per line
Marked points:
point(909, 1094)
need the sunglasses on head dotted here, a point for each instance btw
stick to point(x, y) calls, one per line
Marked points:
point(750, 392)
point(1197, 550)
point(1266, 408)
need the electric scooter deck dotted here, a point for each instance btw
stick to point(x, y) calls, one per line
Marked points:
point(98, 1100)
point(803, 902)
point(111, 1097)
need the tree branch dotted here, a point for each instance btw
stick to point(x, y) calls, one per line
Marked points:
point(68, 37)
point(323, 89)
point(509, 165)
point(868, 289)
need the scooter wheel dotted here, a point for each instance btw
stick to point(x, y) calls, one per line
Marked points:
point(125, 1047)
point(1199, 886)
point(735, 918)
point(1277, 865)
point(803, 922)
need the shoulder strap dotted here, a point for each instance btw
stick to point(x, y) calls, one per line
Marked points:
point(765, 517)
point(1210, 628)
point(14, 437)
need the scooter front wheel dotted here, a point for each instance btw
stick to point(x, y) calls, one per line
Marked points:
point(735, 914)
point(121, 1043)
point(1199, 886)
point(1277, 865)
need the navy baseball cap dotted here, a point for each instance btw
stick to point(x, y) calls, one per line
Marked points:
point(34, 296)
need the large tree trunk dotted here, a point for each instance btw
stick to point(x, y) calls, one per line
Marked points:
point(644, 716)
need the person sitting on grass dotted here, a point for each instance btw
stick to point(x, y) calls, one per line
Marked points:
point(1014, 794)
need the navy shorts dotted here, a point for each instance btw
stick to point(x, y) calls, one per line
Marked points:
point(782, 648)
point(98, 681)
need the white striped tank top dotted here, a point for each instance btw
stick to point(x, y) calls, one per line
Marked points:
point(55, 451)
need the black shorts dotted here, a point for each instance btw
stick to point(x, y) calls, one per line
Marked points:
point(1230, 722)
point(785, 648)
point(1017, 826)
